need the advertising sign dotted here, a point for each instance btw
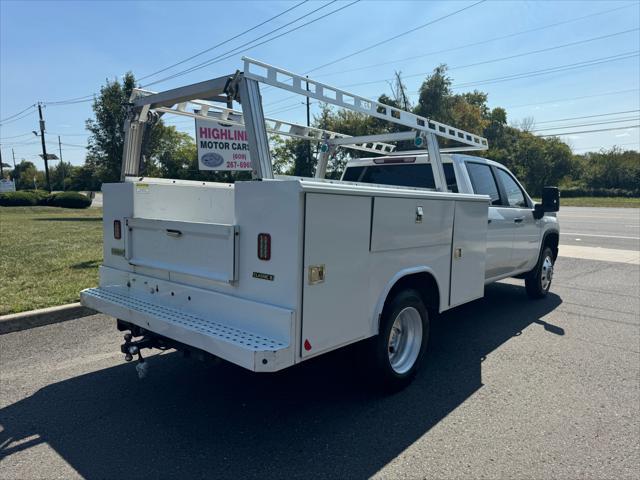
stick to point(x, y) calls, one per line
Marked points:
point(221, 146)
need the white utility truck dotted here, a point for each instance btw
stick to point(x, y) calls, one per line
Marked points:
point(271, 272)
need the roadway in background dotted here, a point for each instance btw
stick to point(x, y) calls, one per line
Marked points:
point(617, 228)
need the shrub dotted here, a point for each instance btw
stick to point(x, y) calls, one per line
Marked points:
point(18, 199)
point(598, 192)
point(68, 200)
point(42, 196)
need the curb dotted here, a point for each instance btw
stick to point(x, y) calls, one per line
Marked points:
point(44, 316)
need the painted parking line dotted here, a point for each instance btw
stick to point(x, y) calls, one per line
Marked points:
point(631, 257)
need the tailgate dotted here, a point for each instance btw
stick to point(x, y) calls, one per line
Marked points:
point(205, 250)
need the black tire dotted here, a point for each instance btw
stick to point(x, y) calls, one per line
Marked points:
point(538, 280)
point(382, 373)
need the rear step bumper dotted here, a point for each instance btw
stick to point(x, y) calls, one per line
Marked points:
point(256, 352)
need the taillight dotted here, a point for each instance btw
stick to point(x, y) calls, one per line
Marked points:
point(117, 229)
point(264, 246)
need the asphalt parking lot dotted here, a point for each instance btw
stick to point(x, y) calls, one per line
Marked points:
point(510, 388)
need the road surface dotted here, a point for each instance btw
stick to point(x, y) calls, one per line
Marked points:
point(617, 228)
point(509, 388)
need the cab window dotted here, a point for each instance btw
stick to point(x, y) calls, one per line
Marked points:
point(450, 175)
point(483, 182)
point(515, 197)
point(418, 175)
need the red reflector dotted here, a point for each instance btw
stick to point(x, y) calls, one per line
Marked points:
point(117, 230)
point(307, 345)
point(264, 246)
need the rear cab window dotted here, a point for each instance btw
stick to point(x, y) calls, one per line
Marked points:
point(483, 181)
point(417, 175)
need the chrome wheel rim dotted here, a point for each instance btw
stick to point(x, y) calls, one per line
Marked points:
point(546, 275)
point(405, 340)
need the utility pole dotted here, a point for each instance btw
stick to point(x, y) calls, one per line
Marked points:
point(61, 165)
point(44, 147)
point(1, 167)
point(15, 171)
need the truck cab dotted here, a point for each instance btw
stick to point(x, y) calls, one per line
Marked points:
point(515, 232)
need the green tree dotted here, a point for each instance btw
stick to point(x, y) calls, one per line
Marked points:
point(60, 175)
point(107, 136)
point(84, 178)
point(106, 142)
point(27, 176)
point(435, 96)
point(175, 154)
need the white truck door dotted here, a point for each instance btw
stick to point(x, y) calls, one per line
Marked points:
point(468, 254)
point(501, 220)
point(526, 237)
point(335, 307)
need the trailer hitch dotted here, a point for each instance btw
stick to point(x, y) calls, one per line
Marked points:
point(131, 348)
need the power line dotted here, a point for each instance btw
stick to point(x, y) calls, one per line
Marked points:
point(17, 118)
point(561, 100)
point(236, 51)
point(601, 147)
point(370, 47)
point(225, 41)
point(588, 116)
point(627, 119)
point(523, 54)
point(407, 32)
point(17, 136)
point(16, 114)
point(88, 98)
point(591, 131)
point(474, 44)
point(510, 57)
point(84, 99)
point(70, 134)
point(559, 68)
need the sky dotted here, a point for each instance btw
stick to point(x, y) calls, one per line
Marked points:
point(571, 66)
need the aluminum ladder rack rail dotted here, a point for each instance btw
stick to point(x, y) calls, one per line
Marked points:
point(286, 80)
point(209, 111)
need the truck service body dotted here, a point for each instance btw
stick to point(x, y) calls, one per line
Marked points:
point(270, 273)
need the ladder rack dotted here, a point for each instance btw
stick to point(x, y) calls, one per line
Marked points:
point(210, 111)
point(244, 88)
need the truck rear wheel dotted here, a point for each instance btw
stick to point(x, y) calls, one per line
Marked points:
point(538, 281)
point(401, 342)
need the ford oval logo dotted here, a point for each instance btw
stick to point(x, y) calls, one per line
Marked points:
point(212, 159)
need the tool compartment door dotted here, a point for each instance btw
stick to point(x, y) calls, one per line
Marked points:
point(468, 252)
point(205, 250)
point(335, 276)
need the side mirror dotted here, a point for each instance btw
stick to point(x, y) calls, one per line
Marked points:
point(550, 202)
point(538, 212)
point(550, 199)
